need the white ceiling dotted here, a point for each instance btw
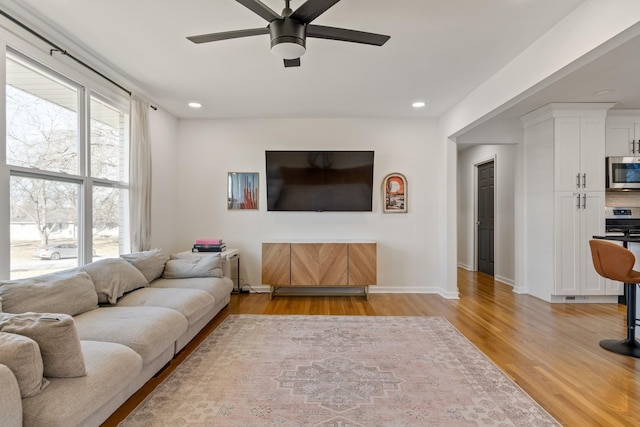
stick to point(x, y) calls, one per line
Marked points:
point(438, 52)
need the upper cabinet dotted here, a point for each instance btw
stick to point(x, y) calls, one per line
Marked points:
point(579, 153)
point(623, 133)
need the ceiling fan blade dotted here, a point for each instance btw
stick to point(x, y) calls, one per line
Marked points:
point(311, 9)
point(206, 38)
point(292, 62)
point(342, 34)
point(260, 9)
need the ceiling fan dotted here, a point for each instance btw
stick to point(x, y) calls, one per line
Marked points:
point(290, 29)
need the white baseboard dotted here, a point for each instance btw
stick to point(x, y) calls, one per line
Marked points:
point(585, 299)
point(413, 290)
point(497, 277)
point(505, 280)
point(402, 290)
point(376, 289)
point(455, 295)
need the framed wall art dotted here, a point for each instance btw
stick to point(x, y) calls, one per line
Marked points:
point(394, 193)
point(243, 190)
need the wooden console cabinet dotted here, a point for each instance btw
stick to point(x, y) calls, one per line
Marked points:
point(316, 264)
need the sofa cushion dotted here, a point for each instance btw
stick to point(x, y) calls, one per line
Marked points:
point(203, 266)
point(113, 277)
point(70, 292)
point(22, 355)
point(57, 337)
point(10, 401)
point(69, 401)
point(218, 287)
point(150, 263)
point(194, 304)
point(149, 331)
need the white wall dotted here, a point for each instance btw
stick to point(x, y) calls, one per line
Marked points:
point(164, 188)
point(592, 29)
point(505, 157)
point(408, 256)
point(538, 237)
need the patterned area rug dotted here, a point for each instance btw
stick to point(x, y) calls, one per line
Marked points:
point(337, 371)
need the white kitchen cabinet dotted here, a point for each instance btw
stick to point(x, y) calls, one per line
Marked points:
point(613, 287)
point(578, 217)
point(564, 184)
point(579, 154)
point(579, 203)
point(623, 136)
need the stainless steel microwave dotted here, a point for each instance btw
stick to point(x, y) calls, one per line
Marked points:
point(623, 173)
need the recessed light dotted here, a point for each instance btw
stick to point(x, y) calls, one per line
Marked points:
point(418, 104)
point(195, 105)
point(603, 92)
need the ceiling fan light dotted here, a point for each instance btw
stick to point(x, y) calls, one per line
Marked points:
point(288, 50)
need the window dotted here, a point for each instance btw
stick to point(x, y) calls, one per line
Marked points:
point(109, 144)
point(67, 156)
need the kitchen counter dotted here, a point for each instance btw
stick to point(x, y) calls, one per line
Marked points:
point(624, 239)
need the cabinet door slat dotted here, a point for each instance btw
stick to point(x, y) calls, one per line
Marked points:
point(276, 264)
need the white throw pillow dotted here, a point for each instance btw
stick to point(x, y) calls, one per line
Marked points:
point(150, 263)
point(57, 337)
point(202, 266)
point(196, 255)
point(69, 291)
point(22, 356)
point(113, 277)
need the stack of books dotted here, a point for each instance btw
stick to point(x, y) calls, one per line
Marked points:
point(209, 245)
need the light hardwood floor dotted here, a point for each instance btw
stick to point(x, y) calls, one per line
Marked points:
point(550, 350)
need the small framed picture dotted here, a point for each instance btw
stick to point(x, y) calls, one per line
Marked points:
point(394, 193)
point(243, 190)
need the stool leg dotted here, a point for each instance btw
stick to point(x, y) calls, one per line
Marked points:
point(629, 346)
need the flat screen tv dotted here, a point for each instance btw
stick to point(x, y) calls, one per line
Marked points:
point(319, 181)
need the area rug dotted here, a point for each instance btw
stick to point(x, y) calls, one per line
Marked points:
point(337, 371)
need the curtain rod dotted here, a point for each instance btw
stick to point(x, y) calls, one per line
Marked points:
point(56, 48)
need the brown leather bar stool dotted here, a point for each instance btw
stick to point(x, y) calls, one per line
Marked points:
point(614, 262)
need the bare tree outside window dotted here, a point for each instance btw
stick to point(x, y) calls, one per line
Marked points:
point(109, 161)
point(40, 134)
point(50, 162)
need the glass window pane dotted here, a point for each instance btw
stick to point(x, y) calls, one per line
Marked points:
point(42, 120)
point(44, 139)
point(109, 137)
point(110, 219)
point(44, 226)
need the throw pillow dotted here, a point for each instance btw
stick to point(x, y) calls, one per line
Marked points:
point(113, 277)
point(196, 255)
point(150, 263)
point(57, 337)
point(70, 292)
point(22, 355)
point(203, 266)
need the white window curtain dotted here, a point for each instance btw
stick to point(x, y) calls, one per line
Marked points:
point(140, 176)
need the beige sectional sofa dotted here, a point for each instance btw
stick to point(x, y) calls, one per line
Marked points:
point(127, 318)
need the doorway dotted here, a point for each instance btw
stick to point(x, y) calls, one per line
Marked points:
point(485, 217)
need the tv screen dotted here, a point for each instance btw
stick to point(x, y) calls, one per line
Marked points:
point(319, 180)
